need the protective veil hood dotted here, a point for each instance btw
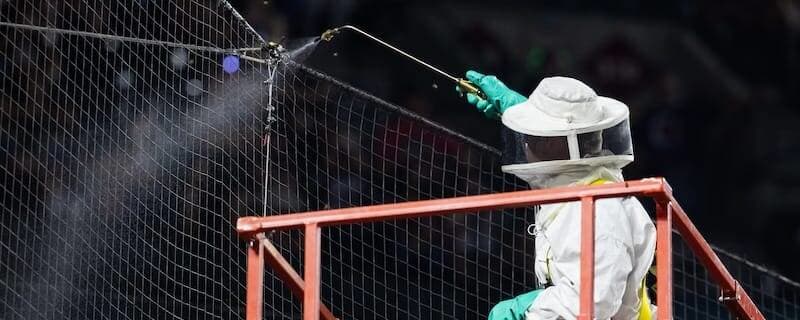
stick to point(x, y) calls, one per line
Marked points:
point(565, 132)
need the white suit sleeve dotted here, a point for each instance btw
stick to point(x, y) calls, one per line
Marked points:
point(613, 264)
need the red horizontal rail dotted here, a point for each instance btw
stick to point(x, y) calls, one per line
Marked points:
point(414, 209)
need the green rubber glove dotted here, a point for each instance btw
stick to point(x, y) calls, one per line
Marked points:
point(498, 97)
point(514, 309)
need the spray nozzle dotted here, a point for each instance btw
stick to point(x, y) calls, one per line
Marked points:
point(328, 34)
point(274, 50)
point(469, 87)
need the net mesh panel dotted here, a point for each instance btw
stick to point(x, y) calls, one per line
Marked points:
point(124, 164)
point(337, 147)
point(124, 167)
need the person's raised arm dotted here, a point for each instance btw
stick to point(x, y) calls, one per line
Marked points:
point(498, 96)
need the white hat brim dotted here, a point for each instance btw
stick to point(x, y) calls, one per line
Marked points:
point(528, 119)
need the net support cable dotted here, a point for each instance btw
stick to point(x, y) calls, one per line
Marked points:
point(241, 52)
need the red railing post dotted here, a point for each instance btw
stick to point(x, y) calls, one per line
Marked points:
point(587, 260)
point(312, 261)
point(664, 258)
point(255, 279)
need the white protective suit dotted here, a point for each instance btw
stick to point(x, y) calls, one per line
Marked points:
point(625, 236)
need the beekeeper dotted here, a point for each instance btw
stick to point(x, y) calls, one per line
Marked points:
point(570, 136)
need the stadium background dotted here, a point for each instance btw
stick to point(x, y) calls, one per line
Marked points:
point(125, 164)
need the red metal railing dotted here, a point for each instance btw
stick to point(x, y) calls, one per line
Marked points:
point(260, 250)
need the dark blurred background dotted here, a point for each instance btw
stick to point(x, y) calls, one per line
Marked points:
point(709, 84)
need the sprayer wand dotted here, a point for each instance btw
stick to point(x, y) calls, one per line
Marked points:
point(465, 85)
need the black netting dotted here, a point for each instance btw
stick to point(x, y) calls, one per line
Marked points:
point(133, 137)
point(335, 147)
point(211, 23)
point(125, 164)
